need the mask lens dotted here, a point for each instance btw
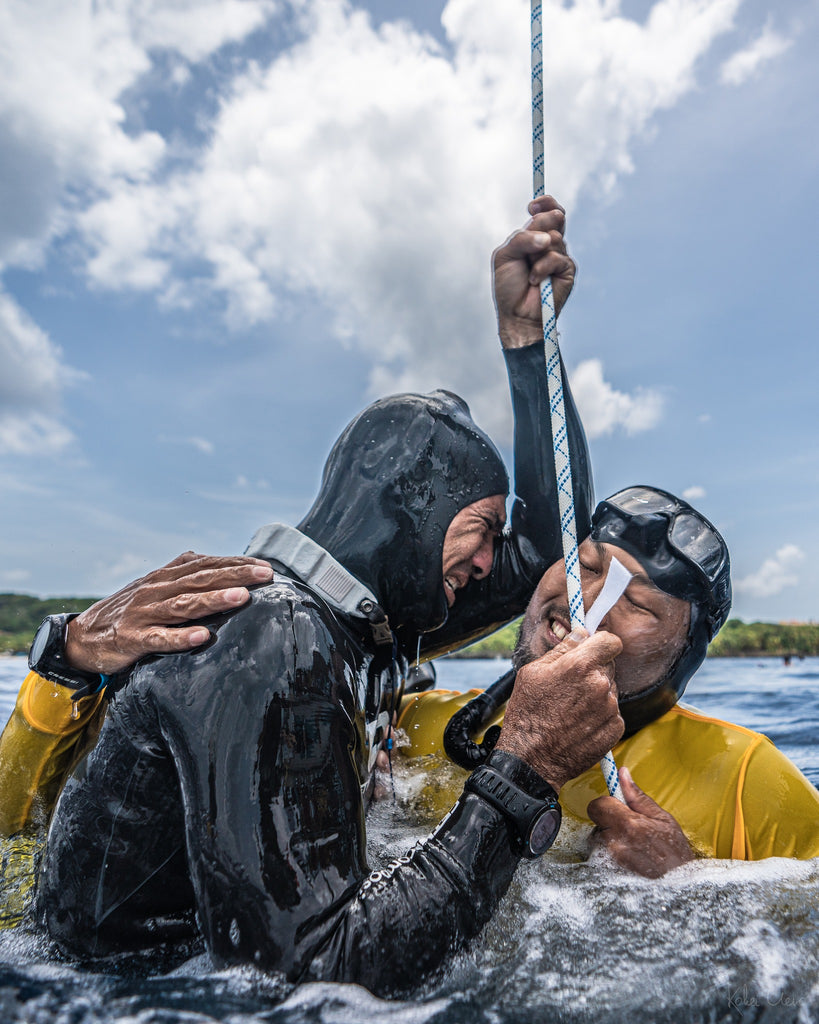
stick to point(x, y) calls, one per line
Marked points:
point(697, 541)
point(643, 500)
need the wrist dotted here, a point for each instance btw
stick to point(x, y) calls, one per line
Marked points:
point(75, 652)
point(515, 333)
point(48, 658)
point(546, 770)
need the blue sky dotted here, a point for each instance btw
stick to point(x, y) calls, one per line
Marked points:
point(228, 225)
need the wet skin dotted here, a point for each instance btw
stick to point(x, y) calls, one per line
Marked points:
point(651, 624)
point(469, 544)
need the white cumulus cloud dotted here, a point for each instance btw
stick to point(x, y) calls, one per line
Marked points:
point(774, 575)
point(602, 408)
point(693, 493)
point(369, 169)
point(365, 168)
point(70, 159)
point(745, 63)
point(65, 71)
point(33, 375)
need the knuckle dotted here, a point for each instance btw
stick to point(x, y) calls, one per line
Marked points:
point(151, 639)
point(180, 603)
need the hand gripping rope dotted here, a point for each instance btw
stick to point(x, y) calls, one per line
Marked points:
point(560, 435)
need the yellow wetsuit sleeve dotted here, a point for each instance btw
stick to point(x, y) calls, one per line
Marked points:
point(47, 734)
point(777, 808)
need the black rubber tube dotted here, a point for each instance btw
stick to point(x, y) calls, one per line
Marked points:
point(458, 742)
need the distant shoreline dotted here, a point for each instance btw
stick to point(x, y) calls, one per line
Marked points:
point(737, 639)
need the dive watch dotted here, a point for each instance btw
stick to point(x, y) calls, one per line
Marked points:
point(533, 813)
point(47, 657)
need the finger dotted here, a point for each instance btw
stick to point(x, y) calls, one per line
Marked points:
point(198, 579)
point(523, 244)
point(543, 204)
point(555, 264)
point(636, 799)
point(552, 222)
point(186, 556)
point(608, 813)
point(183, 567)
point(165, 640)
point(183, 607)
point(599, 650)
point(566, 646)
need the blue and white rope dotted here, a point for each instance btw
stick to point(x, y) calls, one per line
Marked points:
point(560, 434)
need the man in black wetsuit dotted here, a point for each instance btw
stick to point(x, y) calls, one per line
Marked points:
point(227, 790)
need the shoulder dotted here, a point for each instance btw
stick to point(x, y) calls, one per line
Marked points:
point(282, 630)
point(284, 601)
point(691, 722)
point(758, 761)
point(686, 740)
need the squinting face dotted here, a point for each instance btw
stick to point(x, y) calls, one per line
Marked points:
point(652, 625)
point(469, 543)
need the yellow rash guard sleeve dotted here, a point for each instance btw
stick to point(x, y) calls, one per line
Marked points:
point(47, 734)
point(733, 793)
point(777, 809)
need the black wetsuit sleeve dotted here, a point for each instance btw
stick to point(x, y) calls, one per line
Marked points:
point(267, 747)
point(533, 542)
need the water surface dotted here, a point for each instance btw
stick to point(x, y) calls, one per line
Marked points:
point(571, 942)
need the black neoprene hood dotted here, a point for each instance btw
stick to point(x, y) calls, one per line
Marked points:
point(392, 484)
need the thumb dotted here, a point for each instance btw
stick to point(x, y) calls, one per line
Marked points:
point(636, 799)
point(568, 643)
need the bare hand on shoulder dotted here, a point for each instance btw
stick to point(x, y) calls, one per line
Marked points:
point(147, 616)
point(519, 266)
point(639, 834)
point(563, 714)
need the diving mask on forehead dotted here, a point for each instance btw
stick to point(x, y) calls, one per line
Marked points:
point(682, 552)
point(685, 556)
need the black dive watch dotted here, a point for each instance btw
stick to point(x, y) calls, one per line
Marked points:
point(47, 657)
point(533, 813)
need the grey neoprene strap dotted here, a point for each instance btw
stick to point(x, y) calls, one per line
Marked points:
point(315, 566)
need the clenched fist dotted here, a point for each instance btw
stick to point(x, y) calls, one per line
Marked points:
point(563, 715)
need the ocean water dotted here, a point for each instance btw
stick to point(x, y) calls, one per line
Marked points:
point(571, 942)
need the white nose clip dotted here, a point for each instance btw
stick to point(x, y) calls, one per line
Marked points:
point(617, 579)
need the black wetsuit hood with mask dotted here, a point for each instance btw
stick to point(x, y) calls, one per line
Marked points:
point(685, 556)
point(392, 484)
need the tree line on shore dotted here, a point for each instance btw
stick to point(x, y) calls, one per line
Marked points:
point(736, 639)
point(21, 614)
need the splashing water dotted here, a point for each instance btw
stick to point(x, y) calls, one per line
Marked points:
point(573, 941)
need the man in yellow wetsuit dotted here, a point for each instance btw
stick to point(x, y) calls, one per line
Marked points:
point(706, 787)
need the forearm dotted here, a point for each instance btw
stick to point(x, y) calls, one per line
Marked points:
point(46, 735)
point(534, 541)
point(535, 514)
point(428, 903)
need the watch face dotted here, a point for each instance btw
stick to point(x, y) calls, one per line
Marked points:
point(38, 646)
point(544, 831)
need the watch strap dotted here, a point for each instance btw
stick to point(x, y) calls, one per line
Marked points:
point(50, 661)
point(519, 793)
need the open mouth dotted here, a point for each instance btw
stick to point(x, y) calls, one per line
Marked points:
point(557, 625)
